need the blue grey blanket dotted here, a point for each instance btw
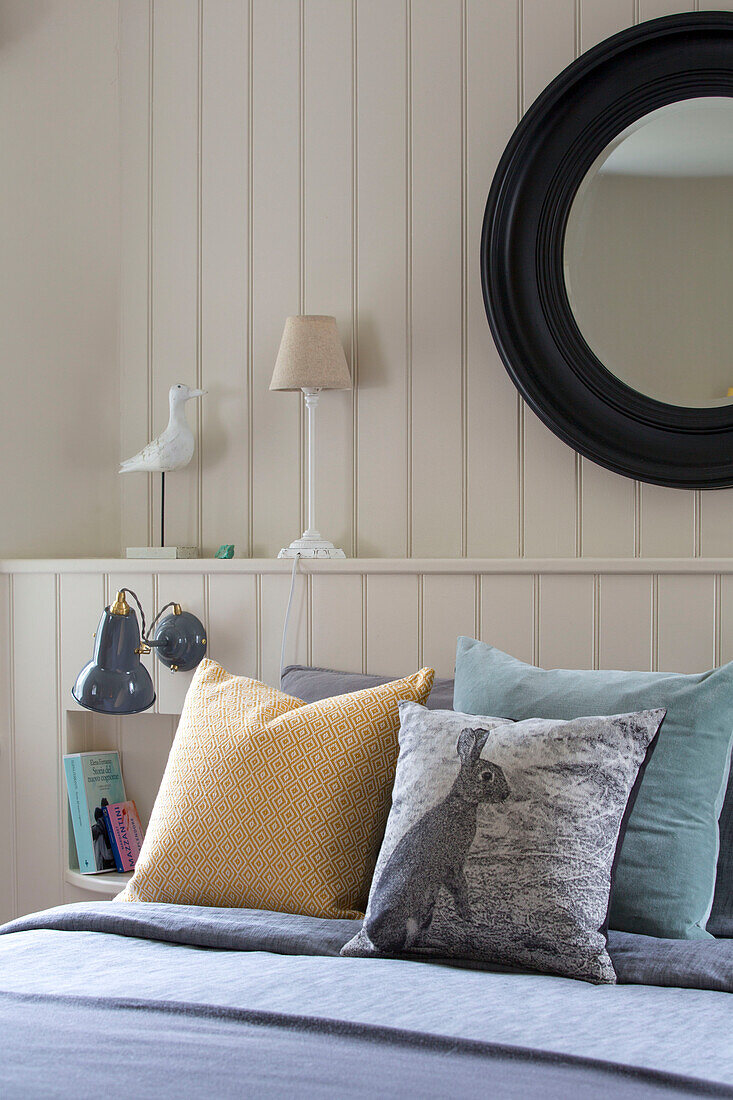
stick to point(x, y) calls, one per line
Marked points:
point(177, 1000)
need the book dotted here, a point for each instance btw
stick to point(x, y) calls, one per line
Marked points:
point(93, 781)
point(125, 833)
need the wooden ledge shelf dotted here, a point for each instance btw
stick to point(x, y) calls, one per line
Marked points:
point(108, 883)
point(369, 566)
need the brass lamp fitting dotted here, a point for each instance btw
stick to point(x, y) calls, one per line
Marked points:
point(120, 606)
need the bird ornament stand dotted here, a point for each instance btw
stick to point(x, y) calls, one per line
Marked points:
point(172, 450)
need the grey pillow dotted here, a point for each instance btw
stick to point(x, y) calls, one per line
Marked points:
point(720, 921)
point(311, 684)
point(502, 838)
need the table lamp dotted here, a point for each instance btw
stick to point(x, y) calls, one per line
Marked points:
point(311, 358)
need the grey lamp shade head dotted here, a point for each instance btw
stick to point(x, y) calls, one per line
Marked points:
point(115, 681)
point(311, 356)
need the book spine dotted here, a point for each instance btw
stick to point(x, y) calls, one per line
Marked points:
point(136, 832)
point(113, 839)
point(79, 815)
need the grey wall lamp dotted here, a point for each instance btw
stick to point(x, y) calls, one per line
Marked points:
point(115, 681)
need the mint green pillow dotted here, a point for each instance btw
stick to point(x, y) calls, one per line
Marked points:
point(665, 878)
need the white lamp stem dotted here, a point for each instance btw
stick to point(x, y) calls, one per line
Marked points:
point(311, 404)
point(311, 544)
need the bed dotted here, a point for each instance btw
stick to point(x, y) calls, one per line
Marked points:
point(164, 1000)
point(158, 999)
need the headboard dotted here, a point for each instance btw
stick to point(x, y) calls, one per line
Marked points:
point(375, 615)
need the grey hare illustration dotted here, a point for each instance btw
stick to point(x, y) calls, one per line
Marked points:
point(433, 853)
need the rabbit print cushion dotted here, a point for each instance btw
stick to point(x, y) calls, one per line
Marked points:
point(502, 837)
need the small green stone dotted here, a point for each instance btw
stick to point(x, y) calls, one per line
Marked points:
point(226, 550)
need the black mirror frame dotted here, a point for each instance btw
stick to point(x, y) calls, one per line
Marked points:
point(617, 82)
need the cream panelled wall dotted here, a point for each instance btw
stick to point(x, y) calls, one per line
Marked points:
point(285, 156)
point(59, 282)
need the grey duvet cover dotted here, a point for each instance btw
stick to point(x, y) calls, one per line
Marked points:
point(158, 1000)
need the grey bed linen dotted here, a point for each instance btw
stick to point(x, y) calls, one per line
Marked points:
point(145, 970)
point(164, 1049)
point(638, 960)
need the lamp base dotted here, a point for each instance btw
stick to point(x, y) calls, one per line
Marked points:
point(311, 547)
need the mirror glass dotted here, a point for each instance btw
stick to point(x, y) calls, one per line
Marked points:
point(649, 254)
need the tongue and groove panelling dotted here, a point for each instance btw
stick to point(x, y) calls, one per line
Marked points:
point(381, 615)
point(281, 156)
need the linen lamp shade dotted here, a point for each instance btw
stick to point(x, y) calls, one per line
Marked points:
point(311, 356)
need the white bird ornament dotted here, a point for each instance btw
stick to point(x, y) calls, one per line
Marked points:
point(174, 447)
point(172, 450)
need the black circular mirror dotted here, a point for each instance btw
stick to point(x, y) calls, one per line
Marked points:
point(607, 253)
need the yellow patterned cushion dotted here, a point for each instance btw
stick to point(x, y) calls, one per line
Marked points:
point(268, 803)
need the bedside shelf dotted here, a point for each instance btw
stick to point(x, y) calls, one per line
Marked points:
point(108, 882)
point(143, 742)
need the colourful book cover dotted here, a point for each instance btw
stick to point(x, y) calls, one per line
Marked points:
point(93, 780)
point(125, 833)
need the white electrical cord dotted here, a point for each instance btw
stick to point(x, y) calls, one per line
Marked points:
point(296, 559)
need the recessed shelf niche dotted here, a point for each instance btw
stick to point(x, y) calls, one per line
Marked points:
point(143, 742)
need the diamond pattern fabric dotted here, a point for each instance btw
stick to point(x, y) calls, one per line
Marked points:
point(269, 803)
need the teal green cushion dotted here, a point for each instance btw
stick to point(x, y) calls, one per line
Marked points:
point(665, 877)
